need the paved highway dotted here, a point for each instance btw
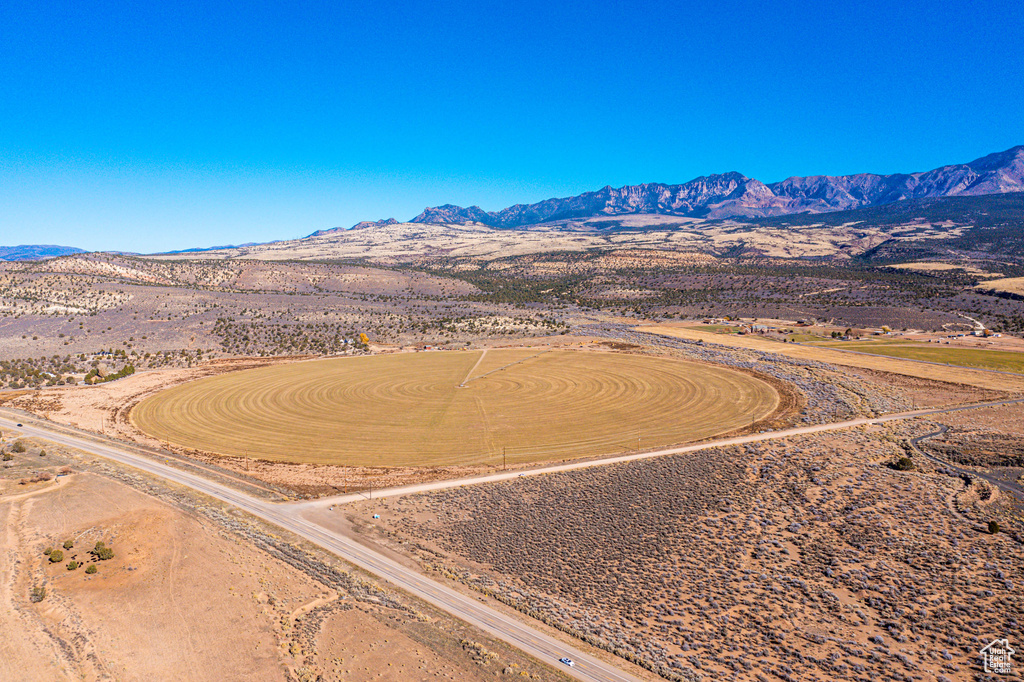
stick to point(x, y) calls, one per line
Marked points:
point(528, 639)
point(1008, 486)
point(290, 517)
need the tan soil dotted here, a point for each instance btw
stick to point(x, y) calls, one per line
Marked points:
point(184, 600)
point(928, 392)
point(1007, 419)
point(103, 408)
point(149, 613)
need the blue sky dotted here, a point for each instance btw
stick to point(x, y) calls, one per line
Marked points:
point(140, 127)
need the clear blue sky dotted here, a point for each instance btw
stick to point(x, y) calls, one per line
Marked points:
point(151, 126)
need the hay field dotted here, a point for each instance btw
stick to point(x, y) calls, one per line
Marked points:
point(455, 407)
point(958, 375)
point(1002, 360)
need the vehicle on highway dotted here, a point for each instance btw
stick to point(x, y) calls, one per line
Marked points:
point(568, 661)
point(19, 425)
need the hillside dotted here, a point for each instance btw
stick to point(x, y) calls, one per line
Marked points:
point(973, 227)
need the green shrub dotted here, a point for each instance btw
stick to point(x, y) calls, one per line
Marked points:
point(38, 594)
point(47, 551)
point(8, 457)
point(19, 446)
point(68, 544)
point(903, 464)
point(56, 556)
point(42, 453)
point(91, 569)
point(72, 565)
point(102, 552)
point(993, 527)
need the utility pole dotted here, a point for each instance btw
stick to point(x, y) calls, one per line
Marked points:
point(504, 462)
point(638, 438)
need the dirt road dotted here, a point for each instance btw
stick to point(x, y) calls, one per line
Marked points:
point(738, 440)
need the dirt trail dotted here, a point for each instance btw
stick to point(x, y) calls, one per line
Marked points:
point(511, 364)
point(473, 368)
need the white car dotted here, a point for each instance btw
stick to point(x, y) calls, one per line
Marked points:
point(568, 661)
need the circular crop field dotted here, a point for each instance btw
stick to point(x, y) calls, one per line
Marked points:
point(448, 408)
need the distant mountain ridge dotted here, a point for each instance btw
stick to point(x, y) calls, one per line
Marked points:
point(362, 225)
point(734, 195)
point(36, 251)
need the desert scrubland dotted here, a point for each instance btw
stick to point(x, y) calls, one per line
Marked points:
point(809, 559)
point(334, 366)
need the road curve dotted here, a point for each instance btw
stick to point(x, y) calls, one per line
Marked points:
point(520, 635)
point(1008, 486)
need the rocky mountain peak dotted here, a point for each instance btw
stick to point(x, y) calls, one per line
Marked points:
point(733, 194)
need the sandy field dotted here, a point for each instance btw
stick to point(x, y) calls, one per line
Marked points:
point(151, 612)
point(192, 593)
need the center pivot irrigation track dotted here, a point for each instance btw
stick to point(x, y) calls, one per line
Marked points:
point(446, 408)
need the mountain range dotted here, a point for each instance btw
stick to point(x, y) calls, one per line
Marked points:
point(734, 195)
point(36, 251)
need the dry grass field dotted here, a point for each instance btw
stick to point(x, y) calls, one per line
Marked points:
point(455, 407)
point(1012, 285)
point(933, 266)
